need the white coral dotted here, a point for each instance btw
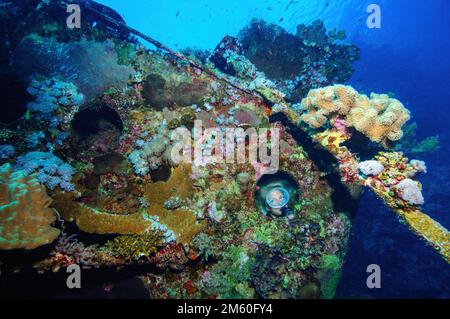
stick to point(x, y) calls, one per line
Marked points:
point(371, 168)
point(409, 191)
point(419, 166)
point(149, 154)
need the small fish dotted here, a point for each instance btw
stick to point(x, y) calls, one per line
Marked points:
point(178, 13)
point(269, 8)
point(281, 20)
point(287, 7)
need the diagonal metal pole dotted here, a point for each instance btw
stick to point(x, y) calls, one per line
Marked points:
point(159, 45)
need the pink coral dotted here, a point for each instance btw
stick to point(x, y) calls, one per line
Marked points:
point(341, 125)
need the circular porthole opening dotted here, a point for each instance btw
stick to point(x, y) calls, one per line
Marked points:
point(276, 194)
point(92, 121)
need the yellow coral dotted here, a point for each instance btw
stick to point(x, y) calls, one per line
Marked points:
point(134, 247)
point(395, 168)
point(179, 184)
point(433, 232)
point(379, 117)
point(183, 223)
point(320, 103)
point(93, 221)
point(423, 225)
point(25, 216)
point(332, 140)
point(315, 119)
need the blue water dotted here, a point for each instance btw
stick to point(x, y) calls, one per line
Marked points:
point(409, 55)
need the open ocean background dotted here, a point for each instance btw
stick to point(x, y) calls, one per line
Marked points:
point(409, 56)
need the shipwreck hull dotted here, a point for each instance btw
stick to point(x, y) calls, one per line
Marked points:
point(221, 243)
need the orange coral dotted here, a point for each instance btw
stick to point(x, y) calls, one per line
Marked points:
point(25, 216)
point(379, 117)
point(320, 103)
point(179, 184)
point(183, 223)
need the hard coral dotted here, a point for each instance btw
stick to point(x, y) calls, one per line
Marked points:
point(182, 222)
point(135, 246)
point(93, 221)
point(25, 216)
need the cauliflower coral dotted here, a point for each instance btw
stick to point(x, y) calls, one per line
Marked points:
point(371, 168)
point(379, 117)
point(409, 191)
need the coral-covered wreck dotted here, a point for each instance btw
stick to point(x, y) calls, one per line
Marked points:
point(90, 117)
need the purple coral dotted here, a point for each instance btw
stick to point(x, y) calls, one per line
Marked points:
point(75, 251)
point(51, 95)
point(50, 169)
